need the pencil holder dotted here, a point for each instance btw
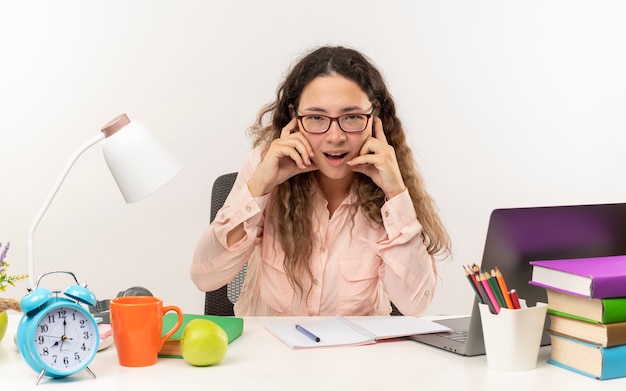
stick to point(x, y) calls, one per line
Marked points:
point(513, 337)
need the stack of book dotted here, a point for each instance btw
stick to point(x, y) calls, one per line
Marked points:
point(587, 311)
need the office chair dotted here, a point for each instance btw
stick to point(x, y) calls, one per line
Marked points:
point(221, 301)
point(395, 311)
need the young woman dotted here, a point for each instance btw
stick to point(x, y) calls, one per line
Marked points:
point(328, 209)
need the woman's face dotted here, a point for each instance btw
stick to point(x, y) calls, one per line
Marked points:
point(334, 96)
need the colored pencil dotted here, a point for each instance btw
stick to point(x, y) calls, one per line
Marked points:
point(486, 299)
point(472, 279)
point(515, 299)
point(490, 294)
point(491, 289)
point(503, 288)
point(495, 289)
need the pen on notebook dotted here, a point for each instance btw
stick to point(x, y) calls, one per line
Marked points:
point(307, 333)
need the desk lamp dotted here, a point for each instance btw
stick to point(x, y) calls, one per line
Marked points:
point(139, 164)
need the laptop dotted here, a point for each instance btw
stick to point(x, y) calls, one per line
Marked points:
point(518, 235)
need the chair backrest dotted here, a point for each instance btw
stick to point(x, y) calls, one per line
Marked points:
point(221, 301)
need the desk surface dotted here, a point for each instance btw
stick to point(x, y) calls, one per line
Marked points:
point(259, 361)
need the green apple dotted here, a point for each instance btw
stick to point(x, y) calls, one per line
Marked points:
point(4, 322)
point(203, 342)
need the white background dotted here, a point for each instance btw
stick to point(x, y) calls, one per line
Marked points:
point(507, 103)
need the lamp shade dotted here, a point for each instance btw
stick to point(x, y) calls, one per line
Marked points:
point(139, 163)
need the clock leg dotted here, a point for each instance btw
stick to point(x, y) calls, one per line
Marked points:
point(40, 376)
point(90, 372)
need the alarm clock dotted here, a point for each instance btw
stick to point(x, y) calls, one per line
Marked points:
point(57, 336)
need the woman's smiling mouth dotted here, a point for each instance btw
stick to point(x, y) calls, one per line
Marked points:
point(336, 155)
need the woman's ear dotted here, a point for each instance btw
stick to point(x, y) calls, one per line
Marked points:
point(376, 111)
point(292, 111)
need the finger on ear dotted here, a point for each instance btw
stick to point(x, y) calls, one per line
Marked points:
point(291, 127)
point(377, 129)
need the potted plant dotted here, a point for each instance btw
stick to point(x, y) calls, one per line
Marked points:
point(5, 280)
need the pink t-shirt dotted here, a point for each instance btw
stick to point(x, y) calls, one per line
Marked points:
point(357, 267)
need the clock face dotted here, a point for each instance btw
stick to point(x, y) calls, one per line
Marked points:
point(65, 338)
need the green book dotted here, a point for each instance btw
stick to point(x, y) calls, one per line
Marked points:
point(606, 311)
point(233, 326)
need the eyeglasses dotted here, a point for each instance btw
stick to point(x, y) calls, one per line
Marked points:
point(349, 123)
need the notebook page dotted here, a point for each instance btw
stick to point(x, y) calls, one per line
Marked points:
point(333, 331)
point(383, 327)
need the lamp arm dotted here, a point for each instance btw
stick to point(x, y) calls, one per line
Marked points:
point(48, 201)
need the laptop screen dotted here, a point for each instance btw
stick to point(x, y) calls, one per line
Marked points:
point(517, 236)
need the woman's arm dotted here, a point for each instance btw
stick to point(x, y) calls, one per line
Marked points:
point(228, 241)
point(410, 274)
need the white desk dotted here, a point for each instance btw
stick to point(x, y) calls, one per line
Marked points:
point(259, 361)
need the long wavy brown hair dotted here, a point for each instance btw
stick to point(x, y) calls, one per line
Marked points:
point(290, 210)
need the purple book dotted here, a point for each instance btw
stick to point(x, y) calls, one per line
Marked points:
point(596, 278)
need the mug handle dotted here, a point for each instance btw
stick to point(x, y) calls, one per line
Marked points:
point(179, 322)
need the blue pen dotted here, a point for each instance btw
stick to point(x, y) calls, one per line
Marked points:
point(307, 333)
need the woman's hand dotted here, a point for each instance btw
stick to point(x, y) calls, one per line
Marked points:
point(287, 156)
point(377, 159)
